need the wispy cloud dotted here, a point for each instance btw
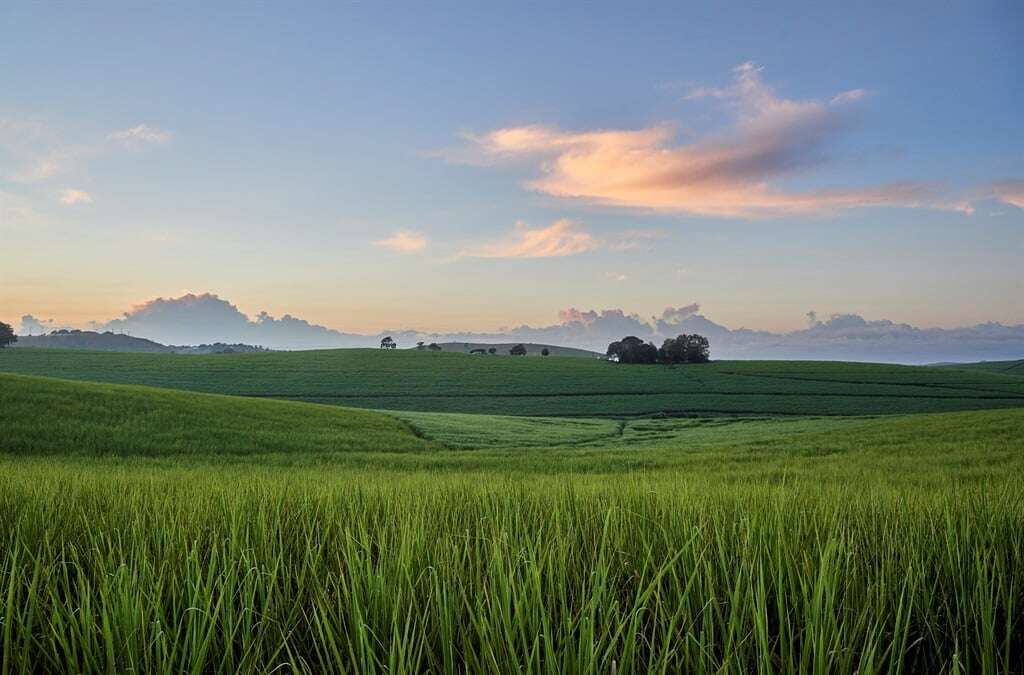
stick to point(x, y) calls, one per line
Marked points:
point(404, 241)
point(1010, 192)
point(734, 173)
point(141, 135)
point(38, 152)
point(561, 238)
point(71, 197)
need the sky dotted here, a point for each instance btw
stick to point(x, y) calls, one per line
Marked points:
point(469, 166)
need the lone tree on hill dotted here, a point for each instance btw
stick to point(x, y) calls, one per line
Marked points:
point(388, 343)
point(545, 352)
point(492, 350)
point(518, 350)
point(7, 336)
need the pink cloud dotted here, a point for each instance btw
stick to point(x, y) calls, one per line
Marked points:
point(729, 174)
point(560, 238)
point(404, 241)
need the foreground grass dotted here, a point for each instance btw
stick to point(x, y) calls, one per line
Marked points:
point(552, 386)
point(159, 569)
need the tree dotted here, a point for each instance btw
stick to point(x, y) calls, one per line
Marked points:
point(698, 350)
point(518, 350)
point(632, 349)
point(492, 350)
point(421, 345)
point(545, 352)
point(434, 347)
point(7, 336)
point(673, 350)
point(388, 343)
point(685, 349)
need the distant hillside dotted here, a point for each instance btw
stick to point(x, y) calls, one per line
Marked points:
point(107, 342)
point(1000, 367)
point(532, 348)
point(118, 342)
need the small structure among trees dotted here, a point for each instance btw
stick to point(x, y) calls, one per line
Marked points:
point(388, 343)
point(632, 349)
point(518, 350)
point(7, 336)
point(682, 349)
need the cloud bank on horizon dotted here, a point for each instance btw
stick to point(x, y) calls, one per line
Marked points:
point(206, 318)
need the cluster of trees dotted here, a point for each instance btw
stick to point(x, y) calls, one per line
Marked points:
point(7, 336)
point(683, 349)
point(388, 343)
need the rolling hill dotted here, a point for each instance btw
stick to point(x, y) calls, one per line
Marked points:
point(47, 416)
point(553, 386)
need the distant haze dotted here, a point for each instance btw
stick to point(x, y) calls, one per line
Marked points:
point(207, 318)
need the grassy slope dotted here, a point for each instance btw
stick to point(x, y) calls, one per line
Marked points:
point(41, 415)
point(51, 417)
point(410, 380)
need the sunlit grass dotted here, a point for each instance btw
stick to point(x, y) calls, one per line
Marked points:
point(240, 569)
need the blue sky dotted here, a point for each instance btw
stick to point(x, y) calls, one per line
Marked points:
point(345, 163)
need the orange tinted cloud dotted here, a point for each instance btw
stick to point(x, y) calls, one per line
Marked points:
point(729, 174)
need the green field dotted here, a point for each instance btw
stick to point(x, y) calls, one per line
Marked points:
point(846, 523)
point(553, 386)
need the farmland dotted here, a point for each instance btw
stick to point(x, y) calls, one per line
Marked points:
point(552, 386)
point(150, 528)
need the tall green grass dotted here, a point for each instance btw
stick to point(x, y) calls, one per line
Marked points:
point(115, 568)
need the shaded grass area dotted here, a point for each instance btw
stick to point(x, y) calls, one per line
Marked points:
point(107, 566)
point(43, 415)
point(551, 386)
